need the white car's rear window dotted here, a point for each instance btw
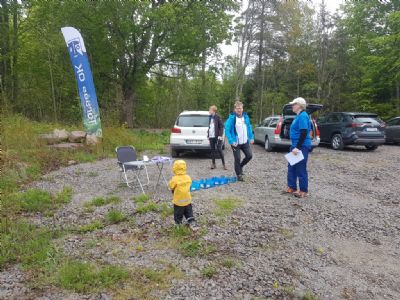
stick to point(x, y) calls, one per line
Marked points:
point(192, 121)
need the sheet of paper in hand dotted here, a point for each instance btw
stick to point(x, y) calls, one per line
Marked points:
point(294, 159)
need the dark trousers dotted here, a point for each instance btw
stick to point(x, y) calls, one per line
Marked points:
point(180, 211)
point(216, 146)
point(299, 171)
point(236, 155)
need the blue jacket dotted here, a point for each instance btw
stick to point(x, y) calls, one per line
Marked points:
point(230, 129)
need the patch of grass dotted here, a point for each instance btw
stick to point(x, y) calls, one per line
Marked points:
point(84, 277)
point(64, 196)
point(93, 174)
point(288, 290)
point(209, 272)
point(309, 296)
point(225, 207)
point(143, 208)
point(180, 231)
point(115, 216)
point(101, 201)
point(228, 263)
point(190, 248)
point(142, 198)
point(27, 244)
point(35, 200)
point(95, 225)
point(287, 233)
point(166, 210)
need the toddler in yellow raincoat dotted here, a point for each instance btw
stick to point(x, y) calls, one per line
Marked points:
point(182, 200)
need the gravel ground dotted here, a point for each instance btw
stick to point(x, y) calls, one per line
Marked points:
point(342, 242)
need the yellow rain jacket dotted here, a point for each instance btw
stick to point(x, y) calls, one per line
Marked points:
point(180, 184)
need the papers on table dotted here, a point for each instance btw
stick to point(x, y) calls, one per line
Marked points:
point(294, 159)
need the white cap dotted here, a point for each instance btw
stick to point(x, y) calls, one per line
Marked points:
point(299, 101)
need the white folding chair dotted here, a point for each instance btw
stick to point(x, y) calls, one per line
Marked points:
point(127, 160)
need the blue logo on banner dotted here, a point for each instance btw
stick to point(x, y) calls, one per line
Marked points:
point(87, 92)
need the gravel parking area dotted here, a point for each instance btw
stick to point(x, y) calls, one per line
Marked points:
point(342, 242)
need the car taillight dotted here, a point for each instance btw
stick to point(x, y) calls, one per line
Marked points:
point(354, 125)
point(317, 133)
point(175, 130)
point(278, 127)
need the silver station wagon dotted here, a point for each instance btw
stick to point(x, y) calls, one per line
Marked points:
point(273, 132)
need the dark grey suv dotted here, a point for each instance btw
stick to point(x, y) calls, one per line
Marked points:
point(348, 128)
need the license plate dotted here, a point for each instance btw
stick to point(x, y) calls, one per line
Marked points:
point(372, 129)
point(194, 142)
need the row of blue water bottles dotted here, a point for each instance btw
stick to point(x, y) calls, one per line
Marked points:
point(211, 182)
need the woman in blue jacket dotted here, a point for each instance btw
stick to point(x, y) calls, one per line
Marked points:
point(240, 135)
point(301, 141)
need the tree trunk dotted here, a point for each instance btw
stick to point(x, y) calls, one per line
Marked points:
point(128, 104)
point(201, 101)
point(14, 82)
point(398, 96)
point(4, 46)
point(53, 94)
point(260, 61)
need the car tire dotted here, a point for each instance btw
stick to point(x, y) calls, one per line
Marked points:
point(267, 145)
point(174, 153)
point(371, 147)
point(337, 142)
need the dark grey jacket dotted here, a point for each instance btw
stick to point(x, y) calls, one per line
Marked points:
point(218, 126)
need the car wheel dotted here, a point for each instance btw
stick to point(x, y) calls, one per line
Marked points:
point(267, 145)
point(337, 142)
point(174, 153)
point(371, 147)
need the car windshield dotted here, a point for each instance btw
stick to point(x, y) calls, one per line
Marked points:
point(192, 121)
point(366, 120)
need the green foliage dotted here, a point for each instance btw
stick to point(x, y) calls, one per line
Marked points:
point(95, 225)
point(115, 216)
point(84, 277)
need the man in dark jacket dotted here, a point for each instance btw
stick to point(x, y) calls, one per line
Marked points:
point(216, 136)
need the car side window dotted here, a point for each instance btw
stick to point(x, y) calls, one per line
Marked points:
point(273, 123)
point(334, 118)
point(265, 123)
point(393, 122)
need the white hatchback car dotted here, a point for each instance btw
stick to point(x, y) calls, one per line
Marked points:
point(190, 133)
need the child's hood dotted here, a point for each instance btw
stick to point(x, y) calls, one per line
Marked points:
point(179, 167)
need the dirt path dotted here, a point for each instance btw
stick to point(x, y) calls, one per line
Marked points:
point(342, 242)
